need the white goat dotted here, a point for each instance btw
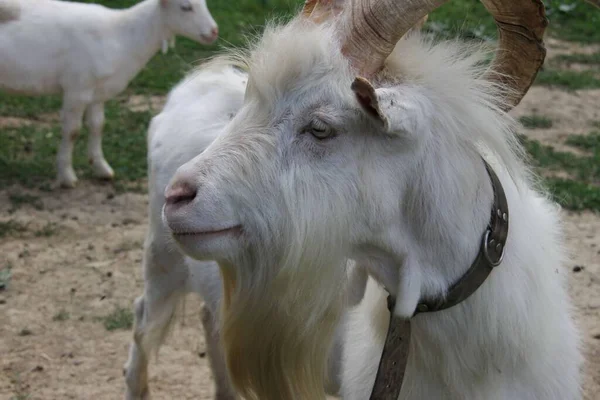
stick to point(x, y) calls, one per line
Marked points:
point(196, 111)
point(88, 53)
point(318, 166)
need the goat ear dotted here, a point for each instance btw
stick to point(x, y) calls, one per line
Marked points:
point(388, 105)
point(366, 96)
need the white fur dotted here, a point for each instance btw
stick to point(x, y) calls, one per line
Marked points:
point(196, 112)
point(410, 204)
point(88, 53)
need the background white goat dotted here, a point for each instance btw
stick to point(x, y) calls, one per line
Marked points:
point(89, 53)
point(196, 112)
point(310, 172)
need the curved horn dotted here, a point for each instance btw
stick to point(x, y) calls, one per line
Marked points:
point(320, 10)
point(377, 25)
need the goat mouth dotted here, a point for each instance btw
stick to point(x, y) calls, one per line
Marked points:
point(219, 232)
point(208, 39)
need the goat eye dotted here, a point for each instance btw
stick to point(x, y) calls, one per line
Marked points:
point(320, 129)
point(186, 7)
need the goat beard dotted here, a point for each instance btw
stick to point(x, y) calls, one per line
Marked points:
point(277, 333)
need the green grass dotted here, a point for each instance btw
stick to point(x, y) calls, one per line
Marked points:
point(581, 190)
point(573, 20)
point(27, 154)
point(588, 59)
point(49, 229)
point(5, 276)
point(577, 20)
point(11, 228)
point(120, 318)
point(589, 142)
point(19, 200)
point(570, 80)
point(536, 121)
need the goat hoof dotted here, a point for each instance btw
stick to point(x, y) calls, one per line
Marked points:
point(67, 179)
point(102, 170)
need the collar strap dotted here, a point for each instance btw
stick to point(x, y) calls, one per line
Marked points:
point(392, 365)
point(491, 253)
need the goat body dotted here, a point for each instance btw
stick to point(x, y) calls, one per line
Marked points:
point(89, 53)
point(309, 173)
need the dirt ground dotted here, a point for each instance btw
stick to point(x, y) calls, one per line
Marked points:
point(80, 259)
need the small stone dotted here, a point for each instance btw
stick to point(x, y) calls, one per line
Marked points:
point(109, 274)
point(578, 268)
point(90, 246)
point(2, 301)
point(202, 354)
point(25, 332)
point(110, 196)
point(38, 368)
point(597, 336)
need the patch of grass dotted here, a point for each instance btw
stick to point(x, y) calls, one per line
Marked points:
point(570, 80)
point(574, 195)
point(47, 230)
point(5, 276)
point(589, 142)
point(27, 153)
point(588, 59)
point(573, 20)
point(18, 200)
point(11, 227)
point(535, 121)
point(29, 107)
point(62, 315)
point(582, 189)
point(120, 318)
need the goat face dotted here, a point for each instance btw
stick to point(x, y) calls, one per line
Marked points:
point(303, 164)
point(190, 18)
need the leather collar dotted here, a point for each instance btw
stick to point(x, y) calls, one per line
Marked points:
point(394, 357)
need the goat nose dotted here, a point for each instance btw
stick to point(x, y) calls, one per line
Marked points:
point(215, 31)
point(181, 193)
